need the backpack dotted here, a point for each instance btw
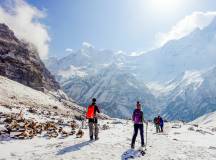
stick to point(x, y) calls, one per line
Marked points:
point(90, 112)
point(158, 121)
point(137, 118)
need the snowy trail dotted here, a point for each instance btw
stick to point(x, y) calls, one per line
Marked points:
point(167, 147)
point(112, 144)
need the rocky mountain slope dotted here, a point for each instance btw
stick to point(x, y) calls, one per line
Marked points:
point(20, 61)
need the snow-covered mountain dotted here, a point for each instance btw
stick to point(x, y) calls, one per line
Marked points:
point(207, 120)
point(116, 90)
point(197, 51)
point(179, 64)
point(192, 96)
point(84, 62)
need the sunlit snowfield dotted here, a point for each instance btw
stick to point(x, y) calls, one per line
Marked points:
point(178, 142)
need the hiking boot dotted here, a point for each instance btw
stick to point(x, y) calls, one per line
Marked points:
point(96, 138)
point(132, 146)
point(91, 138)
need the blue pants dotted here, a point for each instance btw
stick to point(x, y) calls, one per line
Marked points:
point(161, 126)
point(136, 128)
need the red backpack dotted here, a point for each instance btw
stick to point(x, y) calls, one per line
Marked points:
point(90, 112)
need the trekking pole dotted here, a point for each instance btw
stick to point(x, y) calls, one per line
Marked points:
point(146, 135)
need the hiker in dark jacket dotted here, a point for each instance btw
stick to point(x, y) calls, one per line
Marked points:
point(138, 120)
point(161, 124)
point(91, 115)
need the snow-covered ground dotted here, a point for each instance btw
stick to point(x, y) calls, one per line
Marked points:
point(207, 120)
point(14, 94)
point(177, 143)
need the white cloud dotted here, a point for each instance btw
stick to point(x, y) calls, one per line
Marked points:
point(69, 50)
point(185, 26)
point(24, 20)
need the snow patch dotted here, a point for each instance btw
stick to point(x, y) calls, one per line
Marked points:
point(72, 71)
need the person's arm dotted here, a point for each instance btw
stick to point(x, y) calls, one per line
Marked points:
point(133, 116)
point(97, 109)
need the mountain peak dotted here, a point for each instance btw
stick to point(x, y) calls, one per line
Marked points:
point(87, 45)
point(6, 33)
point(4, 26)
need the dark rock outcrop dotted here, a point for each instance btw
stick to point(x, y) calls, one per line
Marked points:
point(20, 62)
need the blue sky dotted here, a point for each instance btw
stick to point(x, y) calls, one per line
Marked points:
point(128, 25)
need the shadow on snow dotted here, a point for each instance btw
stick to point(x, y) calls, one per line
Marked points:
point(73, 148)
point(127, 154)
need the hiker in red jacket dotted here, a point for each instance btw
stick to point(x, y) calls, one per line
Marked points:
point(91, 115)
point(138, 120)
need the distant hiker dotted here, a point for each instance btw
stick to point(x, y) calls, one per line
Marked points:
point(138, 120)
point(157, 124)
point(92, 120)
point(161, 124)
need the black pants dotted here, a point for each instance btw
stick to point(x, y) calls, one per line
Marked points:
point(136, 128)
point(161, 126)
point(93, 128)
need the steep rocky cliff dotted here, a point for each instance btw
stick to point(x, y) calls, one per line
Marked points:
point(20, 61)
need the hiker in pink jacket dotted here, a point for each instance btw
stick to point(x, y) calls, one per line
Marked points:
point(138, 120)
